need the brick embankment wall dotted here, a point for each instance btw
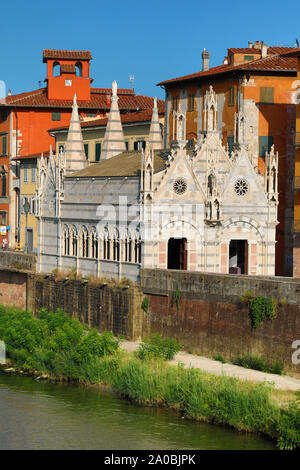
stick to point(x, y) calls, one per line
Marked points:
point(109, 308)
point(211, 318)
point(13, 288)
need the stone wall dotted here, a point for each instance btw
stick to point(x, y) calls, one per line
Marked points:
point(104, 307)
point(211, 318)
point(14, 260)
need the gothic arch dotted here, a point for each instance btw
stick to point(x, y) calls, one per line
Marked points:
point(56, 69)
point(241, 221)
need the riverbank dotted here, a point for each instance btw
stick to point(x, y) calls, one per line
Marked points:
point(61, 349)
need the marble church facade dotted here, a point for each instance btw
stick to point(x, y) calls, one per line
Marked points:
point(200, 209)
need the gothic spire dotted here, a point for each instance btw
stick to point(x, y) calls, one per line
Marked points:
point(75, 155)
point(114, 138)
point(155, 138)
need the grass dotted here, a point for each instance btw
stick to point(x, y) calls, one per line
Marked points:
point(63, 348)
point(258, 363)
point(157, 347)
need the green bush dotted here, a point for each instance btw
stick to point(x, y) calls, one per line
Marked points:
point(157, 347)
point(219, 357)
point(53, 342)
point(258, 363)
point(260, 308)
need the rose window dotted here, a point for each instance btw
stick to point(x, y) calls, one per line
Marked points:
point(241, 187)
point(180, 186)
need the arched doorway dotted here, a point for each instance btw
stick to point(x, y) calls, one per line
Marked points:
point(177, 253)
point(238, 257)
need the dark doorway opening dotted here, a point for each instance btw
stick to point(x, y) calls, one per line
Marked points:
point(238, 257)
point(177, 253)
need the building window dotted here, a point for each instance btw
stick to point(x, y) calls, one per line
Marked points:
point(231, 98)
point(3, 184)
point(68, 82)
point(191, 103)
point(4, 145)
point(56, 116)
point(97, 151)
point(248, 57)
point(26, 173)
point(61, 148)
point(139, 145)
point(33, 205)
point(190, 144)
point(3, 218)
point(86, 150)
point(127, 145)
point(266, 94)
point(4, 116)
point(230, 142)
point(265, 144)
point(33, 173)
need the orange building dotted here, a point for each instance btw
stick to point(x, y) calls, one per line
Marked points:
point(296, 257)
point(254, 89)
point(25, 119)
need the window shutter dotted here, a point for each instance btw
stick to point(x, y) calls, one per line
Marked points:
point(265, 144)
point(97, 151)
point(56, 116)
point(266, 94)
point(4, 145)
point(86, 150)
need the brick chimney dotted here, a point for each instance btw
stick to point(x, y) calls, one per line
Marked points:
point(205, 60)
point(250, 45)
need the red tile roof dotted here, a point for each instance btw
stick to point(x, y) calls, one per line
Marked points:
point(67, 68)
point(271, 63)
point(141, 116)
point(128, 101)
point(63, 54)
point(247, 50)
point(45, 153)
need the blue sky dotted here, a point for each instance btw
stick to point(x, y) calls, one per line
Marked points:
point(152, 40)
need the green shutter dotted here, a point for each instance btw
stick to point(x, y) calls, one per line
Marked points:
point(4, 145)
point(97, 152)
point(230, 142)
point(56, 116)
point(266, 94)
point(86, 150)
point(265, 144)
point(248, 57)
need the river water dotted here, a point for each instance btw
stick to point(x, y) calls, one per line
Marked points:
point(41, 415)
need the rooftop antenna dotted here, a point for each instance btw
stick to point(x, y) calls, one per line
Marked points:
point(297, 42)
point(40, 83)
point(131, 79)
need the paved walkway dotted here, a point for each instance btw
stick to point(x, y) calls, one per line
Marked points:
point(282, 382)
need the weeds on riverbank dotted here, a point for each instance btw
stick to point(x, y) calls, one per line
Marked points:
point(258, 363)
point(157, 347)
point(55, 344)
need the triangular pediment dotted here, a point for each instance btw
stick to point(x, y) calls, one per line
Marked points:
point(178, 182)
point(243, 185)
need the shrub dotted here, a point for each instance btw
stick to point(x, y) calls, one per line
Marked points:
point(156, 346)
point(219, 357)
point(260, 308)
point(258, 363)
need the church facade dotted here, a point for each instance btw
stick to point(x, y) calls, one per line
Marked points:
point(201, 209)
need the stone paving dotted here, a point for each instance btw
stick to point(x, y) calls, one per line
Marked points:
point(282, 382)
